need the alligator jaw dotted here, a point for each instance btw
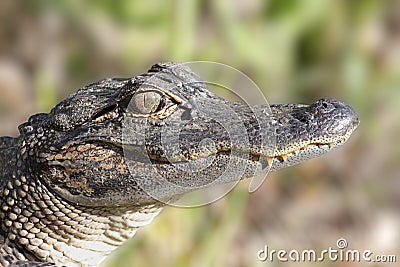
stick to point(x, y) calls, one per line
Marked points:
point(301, 132)
point(148, 161)
point(326, 124)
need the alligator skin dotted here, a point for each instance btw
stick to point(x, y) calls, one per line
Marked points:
point(79, 181)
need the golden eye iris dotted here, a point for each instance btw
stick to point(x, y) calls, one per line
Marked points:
point(147, 102)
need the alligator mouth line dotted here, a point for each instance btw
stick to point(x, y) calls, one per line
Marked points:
point(285, 156)
point(281, 157)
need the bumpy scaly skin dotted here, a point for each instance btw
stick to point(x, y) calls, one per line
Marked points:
point(79, 181)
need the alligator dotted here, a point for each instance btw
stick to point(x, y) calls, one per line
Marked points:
point(79, 181)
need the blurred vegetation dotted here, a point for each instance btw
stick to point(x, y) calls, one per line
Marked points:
point(295, 50)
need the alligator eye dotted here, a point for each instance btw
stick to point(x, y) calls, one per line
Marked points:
point(148, 102)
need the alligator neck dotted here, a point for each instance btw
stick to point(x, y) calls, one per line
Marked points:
point(8, 158)
point(37, 225)
point(8, 171)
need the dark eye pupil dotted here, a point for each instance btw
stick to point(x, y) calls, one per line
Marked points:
point(162, 104)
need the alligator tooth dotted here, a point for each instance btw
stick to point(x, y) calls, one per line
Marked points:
point(269, 160)
point(283, 157)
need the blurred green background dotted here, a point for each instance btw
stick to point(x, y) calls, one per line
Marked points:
point(296, 51)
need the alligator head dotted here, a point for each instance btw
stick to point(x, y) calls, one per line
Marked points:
point(135, 141)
